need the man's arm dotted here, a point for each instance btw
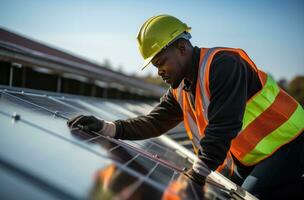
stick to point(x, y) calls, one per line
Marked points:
point(166, 115)
point(232, 81)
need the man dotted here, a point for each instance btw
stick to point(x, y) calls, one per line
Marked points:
point(240, 122)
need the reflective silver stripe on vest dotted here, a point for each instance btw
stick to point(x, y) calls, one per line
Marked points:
point(202, 72)
point(180, 94)
point(192, 125)
point(194, 130)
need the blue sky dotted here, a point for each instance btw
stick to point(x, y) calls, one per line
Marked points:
point(271, 32)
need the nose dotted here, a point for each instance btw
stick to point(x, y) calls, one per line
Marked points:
point(161, 72)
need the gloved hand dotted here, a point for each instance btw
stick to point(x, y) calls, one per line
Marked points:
point(198, 172)
point(91, 123)
point(196, 177)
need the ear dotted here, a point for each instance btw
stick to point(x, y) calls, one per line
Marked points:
point(181, 46)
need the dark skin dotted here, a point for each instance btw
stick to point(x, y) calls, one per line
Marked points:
point(174, 63)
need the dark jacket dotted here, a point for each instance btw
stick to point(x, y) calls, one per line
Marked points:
point(232, 83)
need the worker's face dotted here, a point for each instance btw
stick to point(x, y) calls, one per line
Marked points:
point(170, 63)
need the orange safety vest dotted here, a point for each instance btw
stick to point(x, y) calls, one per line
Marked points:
point(271, 119)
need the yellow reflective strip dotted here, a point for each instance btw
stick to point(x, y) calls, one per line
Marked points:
point(258, 104)
point(282, 135)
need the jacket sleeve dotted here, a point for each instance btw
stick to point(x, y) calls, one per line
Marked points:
point(166, 115)
point(228, 76)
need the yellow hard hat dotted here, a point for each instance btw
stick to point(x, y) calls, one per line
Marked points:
point(156, 33)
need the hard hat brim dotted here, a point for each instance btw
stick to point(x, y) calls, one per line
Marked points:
point(147, 62)
point(186, 35)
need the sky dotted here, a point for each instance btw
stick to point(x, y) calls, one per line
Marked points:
point(271, 32)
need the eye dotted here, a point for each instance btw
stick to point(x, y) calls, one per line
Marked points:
point(159, 63)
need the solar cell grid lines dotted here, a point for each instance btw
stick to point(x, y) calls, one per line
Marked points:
point(38, 100)
point(39, 145)
point(43, 136)
point(45, 102)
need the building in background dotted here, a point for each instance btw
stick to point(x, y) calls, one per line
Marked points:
point(29, 64)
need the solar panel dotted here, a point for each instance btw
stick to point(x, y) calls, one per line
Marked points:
point(137, 108)
point(52, 104)
point(36, 146)
point(55, 160)
point(42, 117)
point(119, 110)
point(156, 150)
point(86, 107)
point(19, 185)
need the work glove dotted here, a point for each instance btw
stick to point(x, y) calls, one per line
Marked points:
point(196, 177)
point(198, 172)
point(91, 123)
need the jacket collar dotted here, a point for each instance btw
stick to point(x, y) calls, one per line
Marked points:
point(189, 86)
